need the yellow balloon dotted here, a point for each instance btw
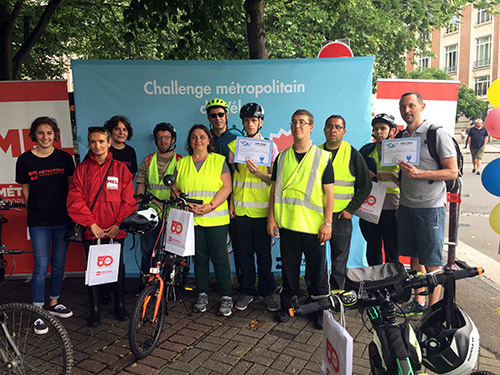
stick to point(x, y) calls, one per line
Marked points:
point(494, 93)
point(495, 218)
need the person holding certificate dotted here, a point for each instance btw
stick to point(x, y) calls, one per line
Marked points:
point(421, 214)
point(249, 207)
point(384, 127)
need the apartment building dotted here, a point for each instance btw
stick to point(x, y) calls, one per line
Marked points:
point(468, 50)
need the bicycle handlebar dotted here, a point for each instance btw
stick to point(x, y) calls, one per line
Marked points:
point(174, 201)
point(352, 299)
point(6, 205)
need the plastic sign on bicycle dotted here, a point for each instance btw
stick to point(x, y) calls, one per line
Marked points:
point(102, 264)
point(337, 347)
point(179, 238)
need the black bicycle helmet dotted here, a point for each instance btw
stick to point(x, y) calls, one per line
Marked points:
point(386, 119)
point(165, 126)
point(450, 351)
point(140, 222)
point(252, 110)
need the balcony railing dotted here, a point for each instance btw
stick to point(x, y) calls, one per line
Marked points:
point(450, 69)
point(481, 63)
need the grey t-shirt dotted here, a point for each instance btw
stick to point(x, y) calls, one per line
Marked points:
point(417, 192)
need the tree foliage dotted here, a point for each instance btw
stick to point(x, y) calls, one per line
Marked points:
point(468, 104)
point(37, 36)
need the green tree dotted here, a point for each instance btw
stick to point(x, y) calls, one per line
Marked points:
point(468, 104)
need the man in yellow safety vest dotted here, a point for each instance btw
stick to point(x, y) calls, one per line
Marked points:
point(249, 208)
point(352, 187)
point(300, 205)
point(150, 179)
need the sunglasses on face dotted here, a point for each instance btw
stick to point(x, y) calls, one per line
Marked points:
point(219, 114)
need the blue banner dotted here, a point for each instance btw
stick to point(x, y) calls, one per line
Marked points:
point(149, 92)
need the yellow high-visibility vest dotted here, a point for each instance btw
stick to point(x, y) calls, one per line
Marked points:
point(204, 184)
point(299, 195)
point(250, 193)
point(343, 189)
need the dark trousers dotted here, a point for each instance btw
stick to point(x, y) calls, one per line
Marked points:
point(292, 246)
point(148, 241)
point(253, 240)
point(340, 244)
point(387, 231)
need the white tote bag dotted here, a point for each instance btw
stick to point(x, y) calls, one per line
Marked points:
point(102, 263)
point(179, 238)
point(337, 347)
point(371, 209)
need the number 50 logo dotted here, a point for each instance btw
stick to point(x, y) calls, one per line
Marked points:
point(176, 227)
point(104, 261)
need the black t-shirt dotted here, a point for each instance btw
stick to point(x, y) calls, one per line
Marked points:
point(125, 155)
point(48, 186)
point(327, 178)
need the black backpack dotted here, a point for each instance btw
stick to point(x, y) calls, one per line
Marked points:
point(451, 185)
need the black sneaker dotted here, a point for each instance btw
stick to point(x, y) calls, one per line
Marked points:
point(282, 316)
point(40, 327)
point(318, 320)
point(412, 309)
point(60, 310)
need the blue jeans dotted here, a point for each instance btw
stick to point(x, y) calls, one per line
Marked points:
point(41, 238)
point(421, 234)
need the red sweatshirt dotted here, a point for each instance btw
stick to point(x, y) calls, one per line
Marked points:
point(116, 199)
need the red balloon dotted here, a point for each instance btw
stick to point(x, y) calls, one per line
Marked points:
point(492, 123)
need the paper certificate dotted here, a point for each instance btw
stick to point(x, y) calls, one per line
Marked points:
point(257, 150)
point(400, 149)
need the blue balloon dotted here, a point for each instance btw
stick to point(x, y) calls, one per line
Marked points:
point(491, 177)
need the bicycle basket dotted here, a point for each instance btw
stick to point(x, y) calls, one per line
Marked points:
point(390, 275)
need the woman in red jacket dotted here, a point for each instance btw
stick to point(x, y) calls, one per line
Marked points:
point(114, 202)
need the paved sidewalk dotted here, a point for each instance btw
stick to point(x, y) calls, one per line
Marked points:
point(248, 342)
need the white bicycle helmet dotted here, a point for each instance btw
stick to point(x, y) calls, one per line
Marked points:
point(450, 351)
point(140, 222)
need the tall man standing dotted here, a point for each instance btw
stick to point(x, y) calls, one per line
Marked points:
point(421, 215)
point(478, 138)
point(352, 187)
point(300, 205)
point(150, 179)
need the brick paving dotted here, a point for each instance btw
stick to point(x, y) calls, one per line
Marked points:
point(248, 342)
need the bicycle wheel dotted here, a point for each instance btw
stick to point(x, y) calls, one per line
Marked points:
point(144, 332)
point(22, 351)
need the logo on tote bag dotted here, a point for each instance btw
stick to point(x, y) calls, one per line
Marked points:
point(104, 261)
point(176, 227)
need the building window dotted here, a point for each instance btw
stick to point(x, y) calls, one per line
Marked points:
point(425, 35)
point(483, 52)
point(451, 53)
point(481, 85)
point(482, 16)
point(424, 61)
point(453, 26)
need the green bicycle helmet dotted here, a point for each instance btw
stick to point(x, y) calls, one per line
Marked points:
point(214, 103)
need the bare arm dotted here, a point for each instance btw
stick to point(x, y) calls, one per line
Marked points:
point(26, 193)
point(449, 171)
point(272, 226)
point(266, 177)
point(325, 231)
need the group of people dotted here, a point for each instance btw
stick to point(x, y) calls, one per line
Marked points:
point(306, 196)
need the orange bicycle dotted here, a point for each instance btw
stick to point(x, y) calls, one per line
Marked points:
point(167, 277)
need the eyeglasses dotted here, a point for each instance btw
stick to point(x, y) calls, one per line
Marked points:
point(166, 137)
point(218, 114)
point(97, 129)
point(330, 127)
point(299, 123)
